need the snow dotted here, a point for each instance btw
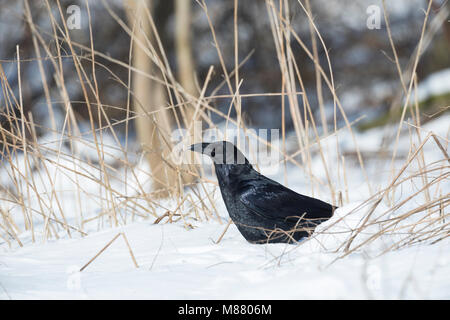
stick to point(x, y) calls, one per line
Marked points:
point(436, 84)
point(182, 261)
point(178, 264)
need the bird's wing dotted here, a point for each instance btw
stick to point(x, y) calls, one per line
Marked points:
point(274, 201)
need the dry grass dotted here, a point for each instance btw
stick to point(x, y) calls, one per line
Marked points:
point(34, 167)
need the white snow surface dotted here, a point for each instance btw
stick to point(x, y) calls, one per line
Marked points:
point(176, 262)
point(179, 264)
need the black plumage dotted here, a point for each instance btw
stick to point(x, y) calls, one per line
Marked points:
point(263, 210)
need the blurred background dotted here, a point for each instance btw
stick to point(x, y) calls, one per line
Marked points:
point(364, 73)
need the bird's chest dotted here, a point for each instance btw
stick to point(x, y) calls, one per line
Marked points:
point(236, 209)
point(232, 186)
point(231, 199)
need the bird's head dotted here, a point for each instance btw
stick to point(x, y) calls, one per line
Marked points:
point(221, 152)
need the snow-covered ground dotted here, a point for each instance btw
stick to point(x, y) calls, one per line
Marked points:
point(179, 262)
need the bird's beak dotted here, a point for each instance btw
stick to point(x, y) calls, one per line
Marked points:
point(199, 147)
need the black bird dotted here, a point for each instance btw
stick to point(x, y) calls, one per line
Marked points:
point(263, 210)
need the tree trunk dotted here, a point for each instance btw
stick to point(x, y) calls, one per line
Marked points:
point(185, 63)
point(153, 128)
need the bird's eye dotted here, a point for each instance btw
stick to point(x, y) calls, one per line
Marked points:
point(213, 153)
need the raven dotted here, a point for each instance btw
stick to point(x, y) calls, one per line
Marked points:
point(263, 210)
